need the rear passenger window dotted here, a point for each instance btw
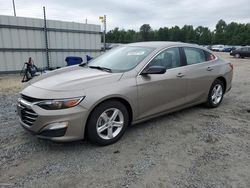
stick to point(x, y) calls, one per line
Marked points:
point(209, 56)
point(194, 55)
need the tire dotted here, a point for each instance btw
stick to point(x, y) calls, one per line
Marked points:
point(216, 94)
point(101, 123)
point(237, 55)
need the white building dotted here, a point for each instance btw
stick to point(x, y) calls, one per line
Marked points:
point(21, 38)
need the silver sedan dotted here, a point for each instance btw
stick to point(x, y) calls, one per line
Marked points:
point(127, 85)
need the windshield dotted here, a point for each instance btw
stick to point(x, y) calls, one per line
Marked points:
point(121, 59)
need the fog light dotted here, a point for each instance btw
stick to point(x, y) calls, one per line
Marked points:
point(57, 129)
point(57, 125)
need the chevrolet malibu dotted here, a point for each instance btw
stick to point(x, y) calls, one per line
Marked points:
point(127, 85)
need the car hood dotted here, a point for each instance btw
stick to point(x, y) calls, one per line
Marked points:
point(74, 78)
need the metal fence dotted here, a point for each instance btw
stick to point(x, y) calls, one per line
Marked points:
point(21, 38)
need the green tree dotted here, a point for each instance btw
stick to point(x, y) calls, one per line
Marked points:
point(175, 34)
point(220, 31)
point(231, 34)
point(188, 34)
point(203, 35)
point(145, 30)
point(163, 34)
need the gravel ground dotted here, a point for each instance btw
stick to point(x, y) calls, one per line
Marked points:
point(195, 147)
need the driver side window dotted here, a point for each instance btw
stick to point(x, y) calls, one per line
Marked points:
point(169, 58)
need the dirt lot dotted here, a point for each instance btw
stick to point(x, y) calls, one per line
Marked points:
point(196, 147)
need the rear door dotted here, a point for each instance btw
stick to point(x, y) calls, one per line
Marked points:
point(160, 92)
point(200, 73)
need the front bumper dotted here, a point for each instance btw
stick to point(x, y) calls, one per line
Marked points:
point(57, 125)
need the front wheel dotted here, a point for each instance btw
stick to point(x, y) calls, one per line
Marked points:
point(216, 94)
point(107, 123)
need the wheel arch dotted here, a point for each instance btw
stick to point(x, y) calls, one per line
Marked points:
point(118, 98)
point(221, 78)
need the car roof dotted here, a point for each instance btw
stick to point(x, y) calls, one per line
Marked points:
point(160, 44)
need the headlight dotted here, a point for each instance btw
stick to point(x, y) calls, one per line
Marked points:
point(58, 104)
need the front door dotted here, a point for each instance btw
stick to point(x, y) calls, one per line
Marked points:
point(161, 92)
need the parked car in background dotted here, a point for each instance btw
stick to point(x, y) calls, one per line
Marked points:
point(228, 48)
point(126, 85)
point(208, 47)
point(218, 48)
point(241, 52)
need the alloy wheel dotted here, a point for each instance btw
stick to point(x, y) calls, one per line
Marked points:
point(217, 94)
point(110, 123)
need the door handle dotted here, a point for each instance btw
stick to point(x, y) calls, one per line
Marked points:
point(210, 69)
point(180, 75)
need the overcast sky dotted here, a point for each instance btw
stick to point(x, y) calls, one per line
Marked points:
point(131, 14)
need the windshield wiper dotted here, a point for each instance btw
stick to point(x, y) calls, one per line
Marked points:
point(100, 68)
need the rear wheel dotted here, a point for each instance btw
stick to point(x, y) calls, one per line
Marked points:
point(107, 123)
point(237, 55)
point(216, 94)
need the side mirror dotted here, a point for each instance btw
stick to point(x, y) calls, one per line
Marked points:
point(154, 70)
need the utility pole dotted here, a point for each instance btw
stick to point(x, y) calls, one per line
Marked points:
point(104, 32)
point(14, 7)
point(103, 20)
point(46, 37)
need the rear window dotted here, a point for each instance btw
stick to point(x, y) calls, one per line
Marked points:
point(194, 55)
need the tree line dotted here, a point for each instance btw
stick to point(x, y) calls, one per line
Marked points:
point(228, 34)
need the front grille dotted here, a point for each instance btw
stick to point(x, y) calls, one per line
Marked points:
point(28, 116)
